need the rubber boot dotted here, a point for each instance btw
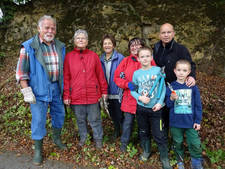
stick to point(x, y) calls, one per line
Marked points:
point(38, 144)
point(164, 157)
point(116, 131)
point(123, 147)
point(56, 138)
point(98, 144)
point(196, 163)
point(146, 144)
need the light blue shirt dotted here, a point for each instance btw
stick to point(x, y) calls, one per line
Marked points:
point(145, 79)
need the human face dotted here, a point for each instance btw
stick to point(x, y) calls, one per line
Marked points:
point(166, 33)
point(108, 46)
point(182, 71)
point(145, 59)
point(134, 48)
point(81, 41)
point(47, 31)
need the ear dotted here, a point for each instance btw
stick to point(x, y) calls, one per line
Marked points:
point(173, 34)
point(189, 72)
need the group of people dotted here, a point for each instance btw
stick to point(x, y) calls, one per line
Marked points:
point(134, 87)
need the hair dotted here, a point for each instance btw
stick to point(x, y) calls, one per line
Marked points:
point(144, 48)
point(111, 37)
point(136, 40)
point(48, 17)
point(80, 31)
point(183, 61)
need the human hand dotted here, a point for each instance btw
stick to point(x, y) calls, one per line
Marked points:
point(144, 98)
point(28, 95)
point(132, 86)
point(173, 96)
point(105, 96)
point(190, 81)
point(197, 126)
point(157, 107)
point(67, 102)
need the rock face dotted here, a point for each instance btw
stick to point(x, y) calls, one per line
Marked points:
point(197, 25)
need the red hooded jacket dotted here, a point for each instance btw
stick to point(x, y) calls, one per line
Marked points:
point(128, 65)
point(84, 79)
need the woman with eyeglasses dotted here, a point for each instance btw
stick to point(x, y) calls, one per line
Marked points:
point(127, 67)
point(84, 85)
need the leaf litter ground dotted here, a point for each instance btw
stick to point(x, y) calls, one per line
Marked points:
point(15, 121)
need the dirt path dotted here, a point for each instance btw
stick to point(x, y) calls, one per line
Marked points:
point(12, 160)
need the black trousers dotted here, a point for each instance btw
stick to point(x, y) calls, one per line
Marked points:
point(148, 121)
point(166, 116)
point(115, 112)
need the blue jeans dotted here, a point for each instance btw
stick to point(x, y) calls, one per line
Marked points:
point(115, 112)
point(128, 125)
point(39, 112)
point(92, 111)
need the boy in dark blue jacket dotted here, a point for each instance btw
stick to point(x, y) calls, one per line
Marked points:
point(185, 115)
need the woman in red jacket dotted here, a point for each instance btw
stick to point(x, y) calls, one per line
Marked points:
point(84, 84)
point(128, 66)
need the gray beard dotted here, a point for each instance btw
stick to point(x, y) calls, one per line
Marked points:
point(48, 39)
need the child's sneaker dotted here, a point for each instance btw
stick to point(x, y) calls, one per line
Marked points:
point(180, 165)
point(196, 163)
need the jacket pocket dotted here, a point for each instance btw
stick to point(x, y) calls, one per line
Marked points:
point(70, 89)
point(96, 87)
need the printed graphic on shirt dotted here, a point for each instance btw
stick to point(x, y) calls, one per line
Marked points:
point(183, 103)
point(146, 82)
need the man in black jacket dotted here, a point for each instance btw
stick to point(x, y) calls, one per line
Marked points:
point(166, 53)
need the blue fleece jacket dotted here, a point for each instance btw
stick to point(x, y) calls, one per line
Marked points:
point(187, 109)
point(117, 58)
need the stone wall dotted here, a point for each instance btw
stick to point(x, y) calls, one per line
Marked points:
point(125, 20)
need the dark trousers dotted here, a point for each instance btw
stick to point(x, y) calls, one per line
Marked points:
point(166, 116)
point(115, 112)
point(149, 120)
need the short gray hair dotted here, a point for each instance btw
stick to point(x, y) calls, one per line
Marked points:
point(80, 31)
point(43, 18)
